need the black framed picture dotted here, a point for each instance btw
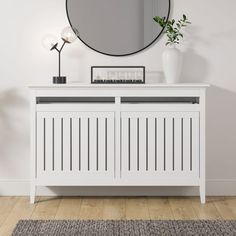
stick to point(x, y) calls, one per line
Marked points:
point(117, 74)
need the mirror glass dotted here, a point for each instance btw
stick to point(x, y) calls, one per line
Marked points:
point(117, 27)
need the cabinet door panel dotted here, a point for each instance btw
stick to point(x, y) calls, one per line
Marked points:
point(164, 144)
point(75, 145)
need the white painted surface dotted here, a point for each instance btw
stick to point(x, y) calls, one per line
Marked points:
point(38, 86)
point(209, 57)
point(152, 138)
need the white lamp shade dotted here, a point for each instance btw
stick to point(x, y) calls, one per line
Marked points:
point(49, 41)
point(69, 35)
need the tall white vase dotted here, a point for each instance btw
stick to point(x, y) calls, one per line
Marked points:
point(172, 60)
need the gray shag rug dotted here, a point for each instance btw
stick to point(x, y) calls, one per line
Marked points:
point(124, 227)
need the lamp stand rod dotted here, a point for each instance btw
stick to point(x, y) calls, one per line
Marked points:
point(59, 58)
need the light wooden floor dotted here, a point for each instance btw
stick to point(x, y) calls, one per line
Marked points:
point(14, 208)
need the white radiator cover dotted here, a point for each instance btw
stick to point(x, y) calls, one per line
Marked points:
point(116, 143)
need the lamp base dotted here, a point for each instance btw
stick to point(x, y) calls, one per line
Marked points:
point(59, 79)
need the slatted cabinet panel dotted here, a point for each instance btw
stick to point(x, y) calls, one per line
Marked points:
point(159, 144)
point(71, 145)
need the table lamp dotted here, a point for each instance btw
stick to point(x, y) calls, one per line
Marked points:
point(50, 42)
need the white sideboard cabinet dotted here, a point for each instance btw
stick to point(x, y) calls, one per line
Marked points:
point(118, 135)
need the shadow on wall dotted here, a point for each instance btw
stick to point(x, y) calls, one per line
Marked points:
point(221, 133)
point(195, 67)
point(117, 191)
point(153, 77)
point(220, 122)
point(14, 132)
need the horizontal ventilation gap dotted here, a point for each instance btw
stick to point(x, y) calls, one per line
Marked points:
point(192, 100)
point(46, 100)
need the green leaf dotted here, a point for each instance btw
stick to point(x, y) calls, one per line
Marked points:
point(172, 28)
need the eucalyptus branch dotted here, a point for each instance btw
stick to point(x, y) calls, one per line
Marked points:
point(172, 28)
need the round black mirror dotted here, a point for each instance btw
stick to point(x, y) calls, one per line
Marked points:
point(117, 27)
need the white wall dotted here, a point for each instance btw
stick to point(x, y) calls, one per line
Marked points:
point(209, 56)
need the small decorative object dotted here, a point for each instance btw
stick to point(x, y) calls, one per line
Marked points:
point(50, 42)
point(117, 74)
point(172, 56)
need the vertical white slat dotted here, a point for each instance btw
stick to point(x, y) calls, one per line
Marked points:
point(160, 141)
point(195, 146)
point(186, 144)
point(177, 144)
point(93, 144)
point(142, 144)
point(101, 144)
point(151, 143)
point(138, 143)
point(40, 144)
point(84, 144)
point(117, 119)
point(58, 143)
point(110, 144)
point(75, 144)
point(66, 143)
point(124, 143)
point(169, 143)
point(49, 144)
point(133, 144)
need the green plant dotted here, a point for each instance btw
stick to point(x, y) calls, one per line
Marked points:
point(172, 28)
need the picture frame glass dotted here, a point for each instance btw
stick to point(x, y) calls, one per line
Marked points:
point(102, 74)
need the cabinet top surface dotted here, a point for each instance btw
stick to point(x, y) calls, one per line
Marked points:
point(117, 86)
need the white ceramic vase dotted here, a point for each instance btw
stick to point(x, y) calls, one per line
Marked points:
point(172, 60)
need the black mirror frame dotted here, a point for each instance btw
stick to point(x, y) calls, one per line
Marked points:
point(121, 55)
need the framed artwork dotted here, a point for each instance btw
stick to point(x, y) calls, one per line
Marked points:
point(117, 74)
